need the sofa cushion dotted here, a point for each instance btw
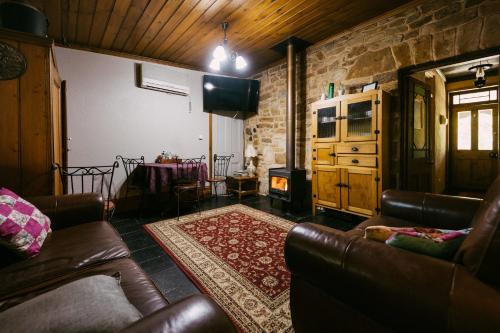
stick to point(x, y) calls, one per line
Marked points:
point(64, 251)
point(23, 227)
point(91, 304)
point(138, 288)
point(480, 251)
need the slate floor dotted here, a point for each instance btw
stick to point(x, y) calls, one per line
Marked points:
point(167, 276)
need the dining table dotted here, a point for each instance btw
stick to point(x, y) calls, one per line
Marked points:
point(160, 177)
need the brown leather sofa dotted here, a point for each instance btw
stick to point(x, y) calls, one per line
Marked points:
point(342, 282)
point(83, 244)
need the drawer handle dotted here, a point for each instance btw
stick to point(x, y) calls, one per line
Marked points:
point(332, 154)
point(355, 149)
point(355, 161)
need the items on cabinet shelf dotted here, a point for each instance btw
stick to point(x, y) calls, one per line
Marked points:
point(350, 152)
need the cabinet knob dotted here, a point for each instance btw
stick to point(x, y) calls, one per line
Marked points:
point(314, 158)
point(314, 135)
point(354, 148)
point(355, 161)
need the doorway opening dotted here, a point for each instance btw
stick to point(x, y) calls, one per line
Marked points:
point(450, 127)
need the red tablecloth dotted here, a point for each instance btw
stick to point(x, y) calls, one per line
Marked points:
point(160, 177)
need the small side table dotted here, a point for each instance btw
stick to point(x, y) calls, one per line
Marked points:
point(242, 185)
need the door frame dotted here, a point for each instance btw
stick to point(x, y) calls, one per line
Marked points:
point(403, 73)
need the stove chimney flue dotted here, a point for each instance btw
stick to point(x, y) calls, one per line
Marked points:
point(290, 106)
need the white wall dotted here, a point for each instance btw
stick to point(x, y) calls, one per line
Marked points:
point(108, 115)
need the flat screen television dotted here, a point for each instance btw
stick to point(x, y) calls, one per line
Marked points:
point(231, 97)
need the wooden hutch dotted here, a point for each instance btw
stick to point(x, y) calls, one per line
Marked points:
point(30, 123)
point(350, 152)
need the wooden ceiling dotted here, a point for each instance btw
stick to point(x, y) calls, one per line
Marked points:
point(186, 32)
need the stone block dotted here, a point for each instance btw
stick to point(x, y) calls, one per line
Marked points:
point(421, 48)
point(403, 55)
point(491, 32)
point(452, 8)
point(279, 158)
point(444, 44)
point(449, 22)
point(372, 62)
point(468, 36)
point(420, 22)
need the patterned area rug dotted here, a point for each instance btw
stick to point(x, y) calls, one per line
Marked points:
point(234, 254)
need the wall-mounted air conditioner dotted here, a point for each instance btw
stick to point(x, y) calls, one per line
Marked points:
point(163, 79)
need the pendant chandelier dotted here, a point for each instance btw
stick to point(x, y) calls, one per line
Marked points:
point(222, 54)
point(480, 80)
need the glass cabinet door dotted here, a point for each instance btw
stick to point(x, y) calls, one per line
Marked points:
point(326, 122)
point(359, 119)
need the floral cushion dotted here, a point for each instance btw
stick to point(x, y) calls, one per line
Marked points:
point(440, 243)
point(22, 226)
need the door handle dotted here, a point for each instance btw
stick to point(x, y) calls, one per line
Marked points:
point(493, 154)
point(355, 149)
point(355, 161)
point(331, 154)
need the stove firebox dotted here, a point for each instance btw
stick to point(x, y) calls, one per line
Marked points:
point(287, 185)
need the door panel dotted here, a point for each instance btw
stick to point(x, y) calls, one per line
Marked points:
point(359, 119)
point(324, 154)
point(325, 180)
point(359, 193)
point(474, 144)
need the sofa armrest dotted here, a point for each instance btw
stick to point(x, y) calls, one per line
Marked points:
point(432, 210)
point(194, 314)
point(399, 289)
point(69, 210)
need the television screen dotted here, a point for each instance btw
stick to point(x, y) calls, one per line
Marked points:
point(230, 96)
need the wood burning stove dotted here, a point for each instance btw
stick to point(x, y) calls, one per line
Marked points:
point(289, 184)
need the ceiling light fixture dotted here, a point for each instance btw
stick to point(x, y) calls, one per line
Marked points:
point(222, 53)
point(480, 80)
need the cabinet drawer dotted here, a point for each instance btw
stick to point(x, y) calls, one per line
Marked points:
point(323, 154)
point(357, 148)
point(355, 160)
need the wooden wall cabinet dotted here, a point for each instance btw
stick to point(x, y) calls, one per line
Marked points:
point(350, 148)
point(30, 119)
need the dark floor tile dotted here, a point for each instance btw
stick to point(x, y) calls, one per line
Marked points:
point(130, 236)
point(157, 264)
point(140, 243)
point(148, 253)
point(174, 284)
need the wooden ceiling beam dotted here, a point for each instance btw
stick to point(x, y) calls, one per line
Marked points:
point(118, 13)
point(130, 21)
point(101, 18)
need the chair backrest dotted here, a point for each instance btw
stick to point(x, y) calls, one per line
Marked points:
point(221, 165)
point(88, 179)
point(130, 163)
point(188, 169)
point(480, 251)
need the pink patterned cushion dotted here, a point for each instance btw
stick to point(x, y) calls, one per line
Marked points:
point(22, 226)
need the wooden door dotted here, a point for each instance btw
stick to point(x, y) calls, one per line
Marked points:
point(324, 154)
point(57, 128)
point(474, 146)
point(326, 121)
point(326, 191)
point(359, 118)
point(419, 144)
point(359, 190)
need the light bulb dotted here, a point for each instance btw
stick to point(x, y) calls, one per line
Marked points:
point(480, 72)
point(240, 63)
point(209, 86)
point(215, 65)
point(220, 53)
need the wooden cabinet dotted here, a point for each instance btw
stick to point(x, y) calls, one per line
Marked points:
point(30, 123)
point(350, 160)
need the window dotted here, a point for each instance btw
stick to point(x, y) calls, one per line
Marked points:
point(464, 132)
point(485, 130)
point(489, 95)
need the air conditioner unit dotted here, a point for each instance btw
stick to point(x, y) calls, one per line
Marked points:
point(163, 78)
point(163, 86)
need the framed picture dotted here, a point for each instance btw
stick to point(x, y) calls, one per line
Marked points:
point(370, 86)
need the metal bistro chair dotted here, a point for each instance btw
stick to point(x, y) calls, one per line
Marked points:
point(133, 180)
point(219, 173)
point(187, 180)
point(96, 178)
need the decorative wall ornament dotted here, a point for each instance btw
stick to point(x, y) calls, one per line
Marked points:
point(12, 62)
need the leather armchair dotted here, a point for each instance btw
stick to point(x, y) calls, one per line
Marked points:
point(342, 282)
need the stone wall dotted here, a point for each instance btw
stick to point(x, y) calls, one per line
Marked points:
point(431, 30)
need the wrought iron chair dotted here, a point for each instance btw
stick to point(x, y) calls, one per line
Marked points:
point(219, 173)
point(133, 180)
point(87, 179)
point(187, 181)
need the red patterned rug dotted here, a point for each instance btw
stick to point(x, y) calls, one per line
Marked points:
point(234, 254)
